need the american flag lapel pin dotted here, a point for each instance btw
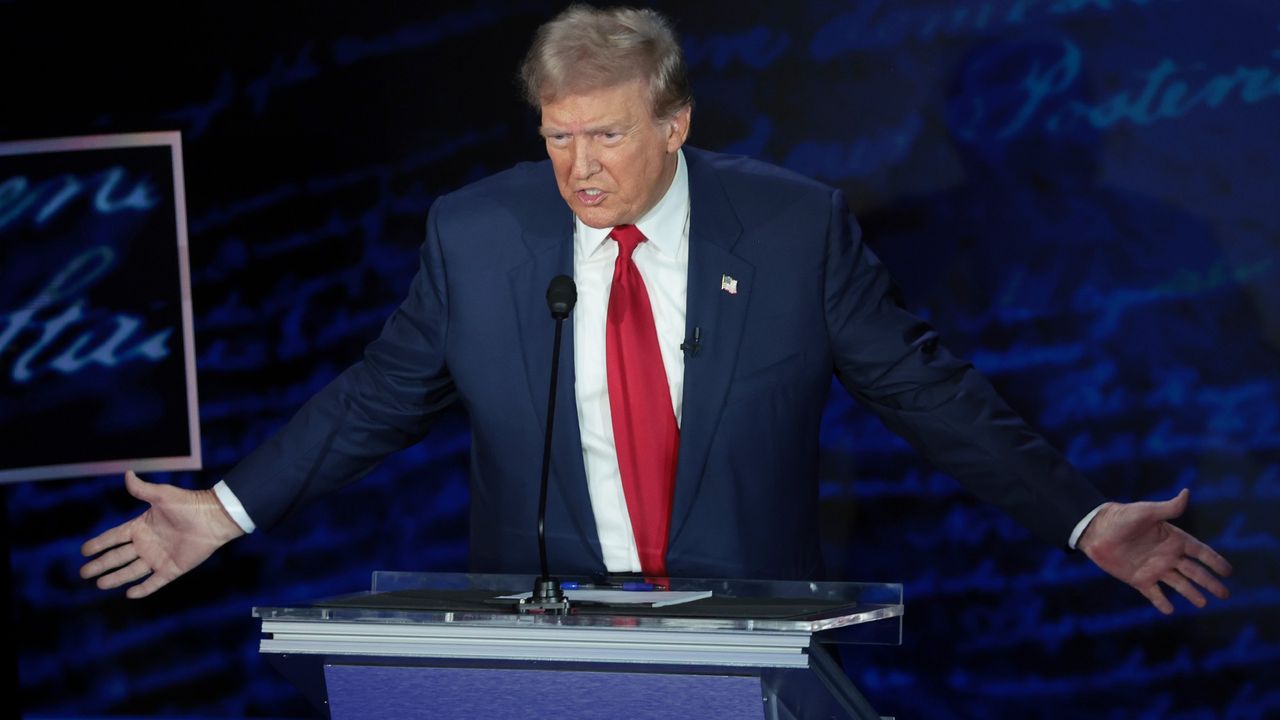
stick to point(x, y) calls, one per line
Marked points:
point(729, 284)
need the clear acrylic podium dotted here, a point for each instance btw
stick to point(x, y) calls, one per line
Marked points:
point(437, 645)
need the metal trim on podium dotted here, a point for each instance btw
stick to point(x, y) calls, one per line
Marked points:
point(364, 656)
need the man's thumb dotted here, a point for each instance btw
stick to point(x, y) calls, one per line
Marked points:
point(139, 488)
point(1174, 506)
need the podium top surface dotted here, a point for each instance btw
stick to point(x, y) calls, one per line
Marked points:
point(406, 599)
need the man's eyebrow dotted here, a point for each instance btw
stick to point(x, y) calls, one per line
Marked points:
point(545, 131)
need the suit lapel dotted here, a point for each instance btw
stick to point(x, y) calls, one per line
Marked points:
point(717, 317)
point(550, 246)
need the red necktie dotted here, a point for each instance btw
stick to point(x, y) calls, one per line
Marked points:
point(644, 425)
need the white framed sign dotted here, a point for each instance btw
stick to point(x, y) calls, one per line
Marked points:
point(97, 355)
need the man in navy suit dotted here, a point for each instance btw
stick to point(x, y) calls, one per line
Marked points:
point(717, 297)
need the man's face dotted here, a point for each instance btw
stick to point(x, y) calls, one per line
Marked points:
point(613, 160)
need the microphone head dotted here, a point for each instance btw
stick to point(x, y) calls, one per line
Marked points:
point(561, 296)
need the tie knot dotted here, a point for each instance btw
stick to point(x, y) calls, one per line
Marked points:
point(627, 237)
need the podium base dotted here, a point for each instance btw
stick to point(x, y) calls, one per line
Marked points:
point(411, 688)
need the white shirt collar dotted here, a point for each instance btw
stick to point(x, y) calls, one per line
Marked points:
point(663, 226)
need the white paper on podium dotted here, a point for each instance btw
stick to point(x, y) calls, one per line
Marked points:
point(648, 598)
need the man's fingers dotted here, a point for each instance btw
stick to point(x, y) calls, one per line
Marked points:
point(122, 533)
point(1175, 580)
point(146, 587)
point(111, 560)
point(127, 574)
point(117, 535)
point(1202, 577)
point(1156, 596)
point(1208, 556)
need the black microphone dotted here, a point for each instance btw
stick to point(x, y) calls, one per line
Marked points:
point(691, 347)
point(562, 294)
point(547, 596)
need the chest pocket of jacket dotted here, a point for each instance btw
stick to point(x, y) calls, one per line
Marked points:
point(777, 376)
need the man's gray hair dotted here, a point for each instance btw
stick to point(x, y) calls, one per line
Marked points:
point(585, 48)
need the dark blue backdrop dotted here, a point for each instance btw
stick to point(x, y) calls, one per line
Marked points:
point(1079, 193)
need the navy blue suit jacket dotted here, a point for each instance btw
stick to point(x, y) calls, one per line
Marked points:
point(811, 301)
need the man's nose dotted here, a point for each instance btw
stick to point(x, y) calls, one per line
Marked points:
point(584, 159)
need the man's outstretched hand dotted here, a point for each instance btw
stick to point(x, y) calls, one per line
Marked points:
point(1134, 542)
point(178, 532)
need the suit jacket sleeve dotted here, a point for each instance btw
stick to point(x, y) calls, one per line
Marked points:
point(383, 403)
point(894, 364)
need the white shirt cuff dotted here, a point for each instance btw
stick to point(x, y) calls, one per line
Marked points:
point(232, 505)
point(1080, 527)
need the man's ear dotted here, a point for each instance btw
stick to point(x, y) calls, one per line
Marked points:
point(678, 128)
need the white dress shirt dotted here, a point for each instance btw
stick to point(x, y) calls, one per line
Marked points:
point(663, 262)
